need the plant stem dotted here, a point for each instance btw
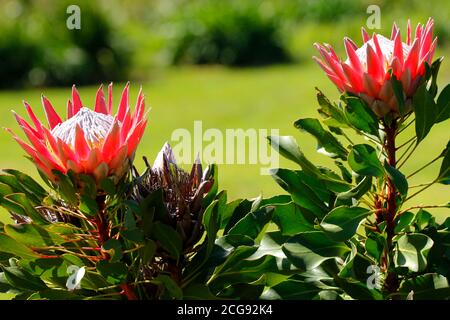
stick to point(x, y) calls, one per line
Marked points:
point(391, 283)
point(103, 230)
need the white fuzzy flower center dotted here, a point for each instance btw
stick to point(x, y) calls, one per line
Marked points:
point(94, 125)
point(386, 46)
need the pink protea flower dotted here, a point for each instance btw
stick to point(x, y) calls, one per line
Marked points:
point(366, 71)
point(92, 142)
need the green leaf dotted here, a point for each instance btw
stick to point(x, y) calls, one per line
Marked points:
point(134, 235)
point(432, 71)
point(346, 175)
point(333, 114)
point(240, 270)
point(301, 193)
point(198, 291)
point(271, 244)
point(211, 223)
point(168, 238)
point(253, 223)
point(27, 182)
point(148, 251)
point(113, 272)
point(53, 294)
point(360, 116)
point(288, 148)
point(108, 186)
point(403, 222)
point(341, 223)
point(88, 206)
point(33, 235)
point(375, 245)
point(430, 286)
point(290, 220)
point(444, 171)
point(20, 202)
point(349, 197)
point(358, 290)
point(307, 250)
point(170, 285)
point(66, 188)
point(114, 248)
point(443, 105)
point(211, 172)
point(292, 290)
point(411, 251)
point(9, 245)
point(364, 161)
point(425, 110)
point(399, 179)
point(22, 279)
point(423, 219)
point(327, 143)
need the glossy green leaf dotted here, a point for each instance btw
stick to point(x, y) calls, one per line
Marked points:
point(22, 279)
point(173, 290)
point(168, 238)
point(113, 272)
point(27, 182)
point(290, 219)
point(425, 110)
point(443, 105)
point(307, 250)
point(270, 244)
point(327, 143)
point(88, 206)
point(333, 114)
point(253, 223)
point(301, 193)
point(288, 148)
point(53, 294)
point(9, 245)
point(360, 116)
point(198, 291)
point(411, 251)
point(114, 248)
point(444, 171)
point(354, 194)
point(341, 223)
point(363, 159)
point(430, 286)
point(21, 203)
point(33, 235)
point(399, 179)
point(375, 245)
point(403, 222)
point(292, 290)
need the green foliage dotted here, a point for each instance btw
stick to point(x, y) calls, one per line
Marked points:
point(38, 49)
point(232, 33)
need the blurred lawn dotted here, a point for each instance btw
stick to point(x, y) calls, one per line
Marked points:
point(223, 98)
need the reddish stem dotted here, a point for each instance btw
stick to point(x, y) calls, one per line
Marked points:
point(127, 291)
point(391, 283)
point(103, 230)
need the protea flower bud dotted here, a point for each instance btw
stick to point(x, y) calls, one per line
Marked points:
point(91, 142)
point(183, 193)
point(367, 70)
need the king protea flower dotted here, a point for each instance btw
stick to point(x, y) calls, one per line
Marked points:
point(92, 142)
point(367, 70)
point(183, 192)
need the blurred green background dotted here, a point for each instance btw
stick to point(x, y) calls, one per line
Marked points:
point(231, 64)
